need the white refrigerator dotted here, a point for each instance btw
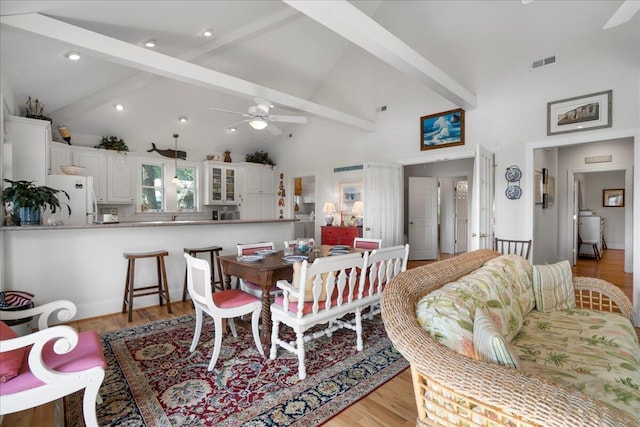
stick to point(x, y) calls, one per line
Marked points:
point(82, 199)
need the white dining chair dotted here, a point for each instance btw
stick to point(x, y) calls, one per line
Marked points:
point(252, 249)
point(226, 304)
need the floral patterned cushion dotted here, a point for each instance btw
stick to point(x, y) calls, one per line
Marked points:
point(448, 313)
point(519, 272)
point(595, 352)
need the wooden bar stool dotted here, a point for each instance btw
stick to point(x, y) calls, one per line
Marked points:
point(214, 254)
point(161, 288)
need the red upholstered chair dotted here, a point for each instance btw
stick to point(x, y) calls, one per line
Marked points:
point(48, 364)
point(252, 249)
point(219, 305)
point(368, 244)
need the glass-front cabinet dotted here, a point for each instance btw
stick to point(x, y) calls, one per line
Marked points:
point(220, 184)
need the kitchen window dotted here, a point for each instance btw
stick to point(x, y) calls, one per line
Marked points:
point(152, 188)
point(187, 189)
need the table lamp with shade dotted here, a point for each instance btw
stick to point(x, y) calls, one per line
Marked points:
point(358, 209)
point(329, 208)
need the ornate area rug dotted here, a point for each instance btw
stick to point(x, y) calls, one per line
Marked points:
point(153, 380)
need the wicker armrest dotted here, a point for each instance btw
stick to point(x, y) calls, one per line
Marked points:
point(600, 295)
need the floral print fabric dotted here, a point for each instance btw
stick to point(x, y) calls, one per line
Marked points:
point(595, 352)
point(502, 287)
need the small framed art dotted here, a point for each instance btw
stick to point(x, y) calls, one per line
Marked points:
point(613, 198)
point(580, 113)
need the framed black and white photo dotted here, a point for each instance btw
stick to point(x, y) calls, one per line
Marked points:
point(580, 113)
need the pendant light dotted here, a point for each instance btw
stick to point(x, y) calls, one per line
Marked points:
point(175, 157)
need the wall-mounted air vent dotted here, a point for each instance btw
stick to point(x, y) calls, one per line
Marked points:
point(543, 61)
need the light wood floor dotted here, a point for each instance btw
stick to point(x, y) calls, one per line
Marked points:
point(392, 404)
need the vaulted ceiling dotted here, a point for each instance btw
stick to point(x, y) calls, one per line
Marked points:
point(279, 50)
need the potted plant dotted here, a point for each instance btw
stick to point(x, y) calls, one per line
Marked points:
point(259, 157)
point(29, 199)
point(113, 143)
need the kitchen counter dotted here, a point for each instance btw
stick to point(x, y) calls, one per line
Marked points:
point(84, 263)
point(143, 224)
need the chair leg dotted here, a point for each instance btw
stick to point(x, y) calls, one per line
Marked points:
point(302, 369)
point(232, 325)
point(274, 337)
point(217, 340)
point(359, 345)
point(255, 321)
point(90, 398)
point(198, 330)
point(166, 285)
point(132, 272)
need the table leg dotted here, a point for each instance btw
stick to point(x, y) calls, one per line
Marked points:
point(265, 332)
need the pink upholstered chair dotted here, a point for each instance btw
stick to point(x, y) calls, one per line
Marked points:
point(368, 244)
point(252, 249)
point(219, 305)
point(51, 363)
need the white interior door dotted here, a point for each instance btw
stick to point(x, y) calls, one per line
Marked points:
point(462, 218)
point(423, 218)
point(383, 203)
point(482, 200)
point(447, 216)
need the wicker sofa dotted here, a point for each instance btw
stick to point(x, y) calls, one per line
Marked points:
point(453, 389)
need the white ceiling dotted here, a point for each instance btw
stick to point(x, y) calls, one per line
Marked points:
point(273, 46)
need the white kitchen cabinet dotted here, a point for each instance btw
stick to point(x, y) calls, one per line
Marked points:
point(258, 199)
point(30, 140)
point(121, 178)
point(95, 164)
point(59, 155)
point(220, 184)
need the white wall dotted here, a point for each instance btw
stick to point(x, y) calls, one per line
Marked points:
point(545, 239)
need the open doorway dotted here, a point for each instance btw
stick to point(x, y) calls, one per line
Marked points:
point(452, 180)
point(304, 206)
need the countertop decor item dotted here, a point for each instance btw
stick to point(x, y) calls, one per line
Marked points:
point(227, 156)
point(65, 133)
point(29, 199)
point(34, 110)
point(112, 143)
point(72, 170)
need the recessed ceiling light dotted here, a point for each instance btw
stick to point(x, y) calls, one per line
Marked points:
point(183, 119)
point(208, 32)
point(150, 43)
point(74, 56)
point(119, 107)
point(231, 130)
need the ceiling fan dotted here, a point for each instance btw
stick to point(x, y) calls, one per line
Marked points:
point(258, 117)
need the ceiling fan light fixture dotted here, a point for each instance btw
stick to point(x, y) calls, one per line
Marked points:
point(258, 124)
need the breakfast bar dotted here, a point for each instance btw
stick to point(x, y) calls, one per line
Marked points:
point(85, 264)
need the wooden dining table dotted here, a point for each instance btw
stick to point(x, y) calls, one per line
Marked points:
point(265, 273)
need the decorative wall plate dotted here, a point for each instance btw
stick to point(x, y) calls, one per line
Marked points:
point(513, 174)
point(513, 192)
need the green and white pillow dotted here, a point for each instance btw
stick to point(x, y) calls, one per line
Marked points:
point(553, 287)
point(490, 345)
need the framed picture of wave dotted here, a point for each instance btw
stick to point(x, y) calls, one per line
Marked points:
point(580, 113)
point(441, 130)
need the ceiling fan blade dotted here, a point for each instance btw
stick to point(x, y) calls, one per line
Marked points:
point(274, 130)
point(624, 13)
point(225, 111)
point(288, 119)
point(235, 125)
